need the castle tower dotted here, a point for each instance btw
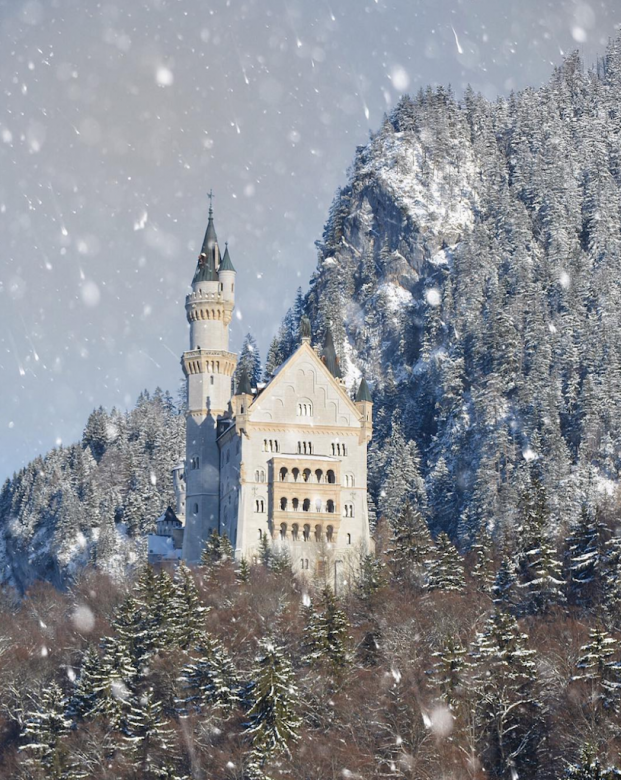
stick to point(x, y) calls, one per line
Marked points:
point(208, 367)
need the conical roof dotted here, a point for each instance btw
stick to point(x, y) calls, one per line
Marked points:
point(226, 264)
point(329, 355)
point(244, 384)
point(206, 270)
point(364, 393)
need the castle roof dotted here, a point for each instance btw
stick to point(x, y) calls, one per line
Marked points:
point(244, 384)
point(206, 270)
point(226, 264)
point(364, 393)
point(329, 355)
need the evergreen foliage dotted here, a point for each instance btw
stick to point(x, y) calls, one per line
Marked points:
point(411, 547)
point(211, 678)
point(446, 568)
point(327, 637)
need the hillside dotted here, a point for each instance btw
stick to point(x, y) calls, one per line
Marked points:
point(92, 502)
point(471, 267)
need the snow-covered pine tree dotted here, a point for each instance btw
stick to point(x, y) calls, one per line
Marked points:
point(585, 556)
point(599, 671)
point(445, 567)
point(504, 588)
point(45, 727)
point(401, 481)
point(114, 682)
point(411, 547)
point(539, 569)
point(588, 766)
point(149, 735)
point(327, 634)
point(187, 612)
point(483, 569)
point(85, 696)
point(249, 361)
point(273, 722)
point(243, 571)
point(372, 577)
point(210, 679)
point(449, 671)
point(508, 711)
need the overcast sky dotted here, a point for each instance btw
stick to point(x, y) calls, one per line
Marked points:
point(117, 118)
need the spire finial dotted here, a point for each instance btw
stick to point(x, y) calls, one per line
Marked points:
point(210, 196)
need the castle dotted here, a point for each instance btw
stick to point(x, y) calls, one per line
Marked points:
point(288, 460)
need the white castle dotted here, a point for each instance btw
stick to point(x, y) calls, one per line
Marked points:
point(287, 461)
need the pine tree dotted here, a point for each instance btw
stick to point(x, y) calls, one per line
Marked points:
point(601, 673)
point(150, 738)
point(265, 550)
point(249, 361)
point(411, 547)
point(44, 730)
point(114, 682)
point(326, 635)
point(449, 671)
point(272, 720)
point(589, 767)
point(445, 567)
point(483, 569)
point(187, 612)
point(504, 593)
point(372, 577)
point(508, 712)
point(243, 572)
point(585, 556)
point(83, 703)
point(211, 678)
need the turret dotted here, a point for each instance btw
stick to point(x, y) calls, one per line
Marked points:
point(226, 275)
point(364, 404)
point(241, 401)
point(208, 367)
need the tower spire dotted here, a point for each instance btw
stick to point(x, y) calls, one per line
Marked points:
point(209, 258)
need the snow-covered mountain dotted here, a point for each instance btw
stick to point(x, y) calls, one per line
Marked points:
point(471, 268)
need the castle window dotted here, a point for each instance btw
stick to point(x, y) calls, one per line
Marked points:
point(261, 476)
point(296, 474)
point(304, 563)
point(256, 476)
point(317, 505)
point(295, 503)
point(330, 533)
point(259, 505)
point(260, 534)
point(348, 538)
point(317, 533)
point(349, 510)
point(283, 530)
point(321, 568)
point(195, 509)
point(211, 380)
point(306, 532)
point(330, 477)
point(283, 474)
point(305, 409)
point(283, 504)
point(306, 505)
point(349, 480)
point(295, 530)
point(330, 506)
point(306, 475)
point(319, 475)
point(194, 463)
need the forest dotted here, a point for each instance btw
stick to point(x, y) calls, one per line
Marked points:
point(429, 664)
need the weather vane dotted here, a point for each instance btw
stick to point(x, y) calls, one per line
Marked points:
point(210, 196)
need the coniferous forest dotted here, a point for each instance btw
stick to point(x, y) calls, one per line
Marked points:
point(429, 664)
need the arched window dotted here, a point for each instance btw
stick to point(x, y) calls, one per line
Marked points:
point(329, 533)
point(283, 504)
point(260, 534)
point(195, 509)
point(283, 474)
point(319, 475)
point(310, 447)
point(211, 380)
point(299, 448)
point(295, 503)
point(330, 506)
point(317, 505)
point(304, 563)
point(343, 449)
point(333, 448)
point(348, 538)
point(348, 510)
point(256, 475)
point(317, 533)
point(262, 476)
point(295, 530)
point(330, 477)
point(296, 474)
point(306, 505)
point(259, 505)
point(306, 475)
point(283, 530)
point(350, 480)
point(306, 532)
point(305, 408)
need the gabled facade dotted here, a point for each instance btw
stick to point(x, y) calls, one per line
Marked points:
point(288, 461)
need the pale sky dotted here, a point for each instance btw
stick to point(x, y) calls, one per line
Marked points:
point(117, 118)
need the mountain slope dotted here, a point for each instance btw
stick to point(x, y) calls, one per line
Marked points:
point(471, 267)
